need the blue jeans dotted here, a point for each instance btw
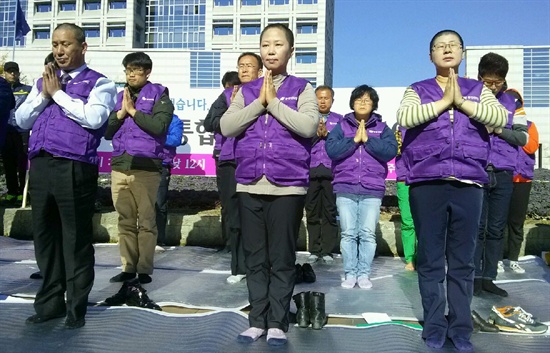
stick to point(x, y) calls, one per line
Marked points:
point(359, 215)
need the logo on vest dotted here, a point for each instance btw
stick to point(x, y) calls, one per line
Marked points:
point(375, 131)
point(332, 123)
point(147, 99)
point(80, 82)
point(471, 98)
point(288, 98)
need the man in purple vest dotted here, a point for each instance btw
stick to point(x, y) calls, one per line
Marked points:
point(66, 110)
point(250, 68)
point(497, 193)
point(138, 127)
point(322, 228)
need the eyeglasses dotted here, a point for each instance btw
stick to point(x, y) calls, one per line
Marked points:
point(134, 71)
point(441, 46)
point(490, 83)
point(248, 66)
point(364, 101)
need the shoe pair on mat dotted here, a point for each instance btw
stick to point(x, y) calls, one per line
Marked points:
point(310, 309)
point(515, 319)
point(304, 273)
point(132, 294)
point(126, 276)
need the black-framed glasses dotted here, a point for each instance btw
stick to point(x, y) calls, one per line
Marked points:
point(138, 71)
point(441, 46)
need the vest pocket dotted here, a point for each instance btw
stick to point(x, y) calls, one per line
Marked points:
point(424, 161)
point(288, 163)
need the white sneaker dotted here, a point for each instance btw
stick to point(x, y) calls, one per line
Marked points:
point(349, 282)
point(328, 259)
point(235, 279)
point(312, 259)
point(159, 249)
point(514, 266)
point(364, 282)
point(500, 267)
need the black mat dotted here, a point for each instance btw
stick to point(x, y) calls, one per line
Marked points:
point(135, 330)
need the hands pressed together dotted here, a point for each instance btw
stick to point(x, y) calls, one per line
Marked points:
point(322, 129)
point(452, 95)
point(361, 134)
point(267, 92)
point(128, 107)
point(50, 81)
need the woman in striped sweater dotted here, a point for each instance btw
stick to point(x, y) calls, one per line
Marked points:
point(444, 153)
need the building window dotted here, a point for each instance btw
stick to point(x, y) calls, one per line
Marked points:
point(278, 2)
point(67, 6)
point(536, 77)
point(250, 27)
point(306, 28)
point(223, 27)
point(306, 56)
point(251, 2)
point(117, 4)
point(223, 2)
point(307, 2)
point(205, 70)
point(91, 33)
point(43, 8)
point(116, 30)
point(42, 32)
point(92, 5)
point(312, 80)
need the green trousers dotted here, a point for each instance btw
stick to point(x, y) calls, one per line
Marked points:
point(408, 234)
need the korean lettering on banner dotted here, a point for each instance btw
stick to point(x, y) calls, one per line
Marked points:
point(192, 104)
point(204, 137)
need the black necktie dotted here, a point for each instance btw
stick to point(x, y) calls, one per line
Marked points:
point(65, 78)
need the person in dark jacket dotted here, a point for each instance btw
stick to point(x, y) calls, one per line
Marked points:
point(138, 126)
point(360, 147)
point(14, 152)
point(7, 103)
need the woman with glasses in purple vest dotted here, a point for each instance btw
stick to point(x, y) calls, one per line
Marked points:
point(445, 153)
point(273, 120)
point(360, 147)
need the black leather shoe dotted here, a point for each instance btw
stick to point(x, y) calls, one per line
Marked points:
point(123, 276)
point(144, 278)
point(309, 275)
point(38, 319)
point(299, 274)
point(72, 324)
point(36, 275)
point(490, 287)
point(483, 325)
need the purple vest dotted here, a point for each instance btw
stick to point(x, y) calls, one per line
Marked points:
point(400, 169)
point(267, 147)
point(227, 149)
point(440, 149)
point(525, 165)
point(503, 155)
point(361, 167)
point(130, 138)
point(61, 136)
point(318, 152)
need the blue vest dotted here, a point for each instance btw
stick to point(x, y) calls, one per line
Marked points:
point(267, 147)
point(318, 152)
point(361, 167)
point(130, 138)
point(61, 136)
point(503, 155)
point(440, 148)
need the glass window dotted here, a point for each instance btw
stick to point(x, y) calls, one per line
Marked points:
point(278, 2)
point(67, 6)
point(117, 32)
point(306, 56)
point(91, 32)
point(223, 2)
point(307, 28)
point(249, 30)
point(92, 5)
point(41, 34)
point(251, 2)
point(117, 4)
point(43, 7)
point(223, 30)
point(307, 2)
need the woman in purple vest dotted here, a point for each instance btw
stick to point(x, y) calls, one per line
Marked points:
point(445, 152)
point(273, 119)
point(360, 146)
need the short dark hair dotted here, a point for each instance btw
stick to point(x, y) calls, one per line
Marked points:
point(49, 59)
point(325, 88)
point(288, 33)
point(138, 59)
point(77, 31)
point(445, 31)
point(360, 91)
point(256, 56)
point(492, 64)
point(231, 78)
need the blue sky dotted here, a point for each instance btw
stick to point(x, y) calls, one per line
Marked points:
point(384, 43)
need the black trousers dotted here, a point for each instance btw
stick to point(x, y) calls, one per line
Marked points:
point(516, 218)
point(63, 193)
point(14, 157)
point(227, 187)
point(161, 206)
point(446, 216)
point(270, 226)
point(322, 227)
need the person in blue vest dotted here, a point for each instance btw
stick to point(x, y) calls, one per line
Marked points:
point(67, 110)
point(14, 152)
point(138, 126)
point(250, 68)
point(360, 147)
point(505, 143)
point(322, 227)
point(173, 140)
point(445, 152)
point(273, 120)
point(230, 82)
